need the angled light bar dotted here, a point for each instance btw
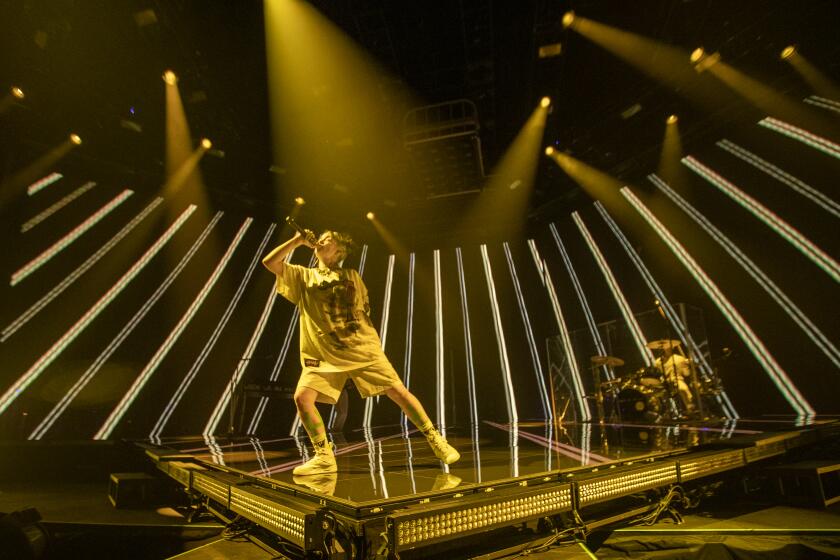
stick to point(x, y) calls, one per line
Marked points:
point(670, 313)
point(41, 216)
point(548, 413)
point(802, 188)
point(768, 362)
point(590, 319)
point(74, 234)
point(823, 103)
point(73, 276)
point(792, 310)
point(788, 232)
point(409, 331)
point(128, 399)
point(220, 325)
point(626, 312)
point(577, 383)
point(465, 315)
point(439, 358)
point(383, 330)
point(58, 347)
point(41, 184)
point(129, 327)
point(822, 144)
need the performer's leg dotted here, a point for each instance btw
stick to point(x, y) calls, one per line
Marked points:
point(415, 412)
point(324, 459)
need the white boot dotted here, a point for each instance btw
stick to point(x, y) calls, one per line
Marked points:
point(322, 462)
point(442, 449)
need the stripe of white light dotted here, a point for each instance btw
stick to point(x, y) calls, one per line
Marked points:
point(409, 329)
point(822, 144)
point(69, 238)
point(465, 315)
point(767, 361)
point(623, 305)
point(43, 183)
point(577, 383)
point(73, 276)
point(383, 330)
point(217, 332)
point(58, 347)
point(529, 335)
point(41, 216)
point(792, 310)
point(129, 327)
point(362, 260)
point(510, 398)
point(670, 313)
point(590, 319)
point(823, 103)
point(128, 399)
point(439, 362)
point(802, 188)
point(788, 232)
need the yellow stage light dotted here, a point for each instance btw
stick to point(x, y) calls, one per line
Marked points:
point(788, 52)
point(568, 19)
point(206, 143)
point(170, 78)
point(545, 102)
point(17, 92)
point(549, 150)
point(299, 201)
point(671, 119)
point(697, 54)
point(370, 216)
point(76, 139)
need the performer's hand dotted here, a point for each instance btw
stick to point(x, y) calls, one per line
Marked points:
point(308, 240)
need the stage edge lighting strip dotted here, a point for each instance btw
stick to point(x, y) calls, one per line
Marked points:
point(465, 314)
point(825, 146)
point(529, 333)
point(635, 329)
point(409, 329)
point(31, 223)
point(383, 330)
point(217, 332)
point(802, 188)
point(768, 363)
point(788, 232)
point(73, 276)
point(792, 310)
point(577, 383)
point(41, 184)
point(129, 327)
point(128, 399)
point(56, 247)
point(670, 313)
point(510, 398)
point(58, 347)
point(590, 319)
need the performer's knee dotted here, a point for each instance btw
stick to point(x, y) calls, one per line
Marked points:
point(304, 397)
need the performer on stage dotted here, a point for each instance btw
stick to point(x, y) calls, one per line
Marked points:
point(676, 369)
point(337, 341)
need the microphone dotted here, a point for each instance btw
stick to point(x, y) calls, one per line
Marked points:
point(307, 234)
point(658, 305)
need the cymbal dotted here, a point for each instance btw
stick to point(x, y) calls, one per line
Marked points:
point(662, 344)
point(610, 361)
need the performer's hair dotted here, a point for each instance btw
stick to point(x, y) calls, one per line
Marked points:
point(345, 242)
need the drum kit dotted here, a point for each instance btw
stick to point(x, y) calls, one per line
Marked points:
point(647, 394)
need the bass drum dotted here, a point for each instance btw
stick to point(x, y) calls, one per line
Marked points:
point(638, 402)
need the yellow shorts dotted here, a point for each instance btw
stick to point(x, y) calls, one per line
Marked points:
point(370, 380)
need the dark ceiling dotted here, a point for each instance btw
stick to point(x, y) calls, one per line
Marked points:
point(94, 66)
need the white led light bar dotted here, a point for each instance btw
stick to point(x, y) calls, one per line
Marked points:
point(31, 223)
point(465, 315)
point(822, 144)
point(409, 328)
point(788, 232)
point(43, 183)
point(439, 357)
point(823, 103)
point(58, 347)
point(62, 243)
point(383, 331)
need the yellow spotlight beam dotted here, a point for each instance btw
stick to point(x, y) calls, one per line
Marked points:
point(35, 170)
point(671, 154)
point(818, 81)
point(391, 241)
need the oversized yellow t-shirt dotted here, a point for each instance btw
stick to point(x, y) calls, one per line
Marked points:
point(336, 333)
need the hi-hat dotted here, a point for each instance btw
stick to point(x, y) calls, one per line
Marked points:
point(662, 344)
point(610, 361)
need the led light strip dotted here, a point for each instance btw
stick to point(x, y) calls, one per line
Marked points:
point(773, 369)
point(73, 276)
point(802, 188)
point(548, 413)
point(128, 399)
point(671, 314)
point(41, 184)
point(58, 347)
point(510, 398)
point(409, 329)
point(823, 103)
point(362, 260)
point(129, 327)
point(383, 330)
point(629, 318)
point(788, 232)
point(792, 310)
point(214, 337)
point(439, 358)
point(577, 383)
point(465, 314)
point(590, 319)
point(259, 452)
point(29, 224)
point(825, 146)
point(56, 247)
